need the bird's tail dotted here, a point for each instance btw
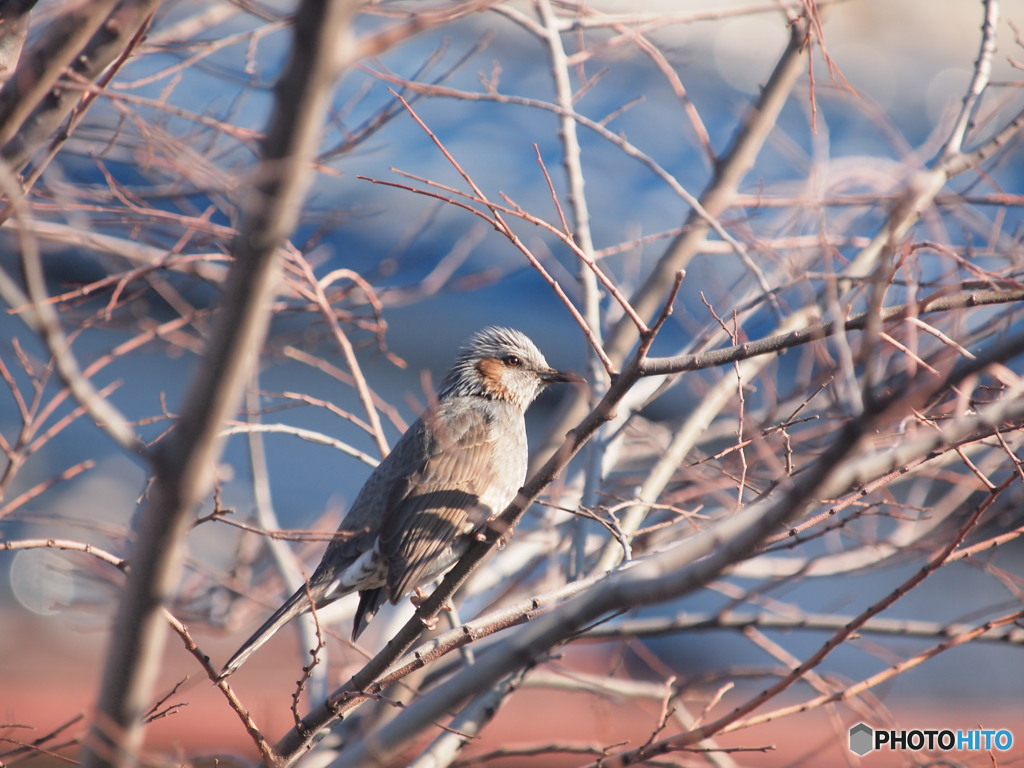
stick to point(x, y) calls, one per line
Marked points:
point(295, 605)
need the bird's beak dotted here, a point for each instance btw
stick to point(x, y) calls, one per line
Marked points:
point(555, 377)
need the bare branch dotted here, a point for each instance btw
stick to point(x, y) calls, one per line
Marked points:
point(88, 39)
point(36, 311)
point(184, 464)
point(14, 22)
point(46, 62)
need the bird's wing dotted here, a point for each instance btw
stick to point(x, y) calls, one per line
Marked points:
point(440, 500)
point(382, 491)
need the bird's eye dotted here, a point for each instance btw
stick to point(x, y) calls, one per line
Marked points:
point(512, 361)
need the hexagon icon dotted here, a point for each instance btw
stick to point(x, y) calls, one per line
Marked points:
point(861, 739)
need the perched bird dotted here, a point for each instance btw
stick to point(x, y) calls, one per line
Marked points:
point(459, 465)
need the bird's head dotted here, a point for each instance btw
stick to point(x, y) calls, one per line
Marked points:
point(502, 364)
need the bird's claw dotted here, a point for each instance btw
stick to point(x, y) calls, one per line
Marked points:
point(501, 542)
point(419, 597)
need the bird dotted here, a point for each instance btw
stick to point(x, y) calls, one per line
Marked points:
point(460, 464)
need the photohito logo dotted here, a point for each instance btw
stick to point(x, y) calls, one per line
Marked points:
point(865, 739)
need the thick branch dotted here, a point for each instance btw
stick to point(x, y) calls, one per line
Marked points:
point(55, 50)
point(89, 41)
point(183, 466)
point(13, 31)
point(720, 194)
